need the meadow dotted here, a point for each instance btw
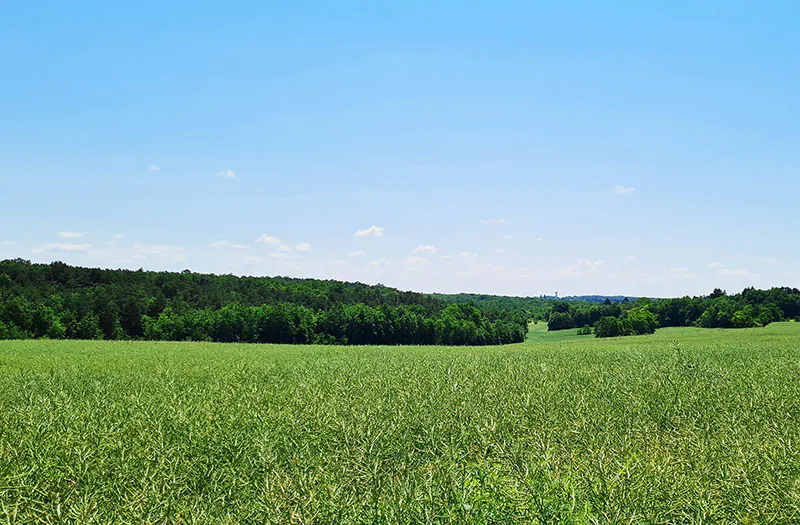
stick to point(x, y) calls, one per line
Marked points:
point(687, 425)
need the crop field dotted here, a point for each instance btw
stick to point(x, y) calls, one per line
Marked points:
point(686, 425)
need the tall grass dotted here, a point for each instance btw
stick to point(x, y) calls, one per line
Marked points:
point(684, 426)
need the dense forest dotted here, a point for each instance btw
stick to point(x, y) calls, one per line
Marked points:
point(748, 309)
point(61, 301)
point(534, 308)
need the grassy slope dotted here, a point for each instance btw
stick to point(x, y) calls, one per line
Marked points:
point(538, 333)
point(632, 429)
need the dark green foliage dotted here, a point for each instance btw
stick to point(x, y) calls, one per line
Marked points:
point(560, 321)
point(59, 301)
point(608, 327)
point(534, 308)
point(586, 330)
point(641, 321)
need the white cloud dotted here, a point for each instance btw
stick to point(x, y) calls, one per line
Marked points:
point(227, 244)
point(303, 247)
point(9, 243)
point(716, 264)
point(681, 273)
point(67, 248)
point(284, 248)
point(139, 257)
point(629, 258)
point(739, 272)
point(580, 268)
point(424, 249)
point(507, 236)
point(416, 260)
point(357, 253)
point(498, 252)
point(268, 239)
point(769, 260)
point(539, 239)
point(468, 254)
point(278, 255)
point(118, 236)
point(253, 260)
point(170, 253)
point(153, 167)
point(493, 221)
point(372, 231)
point(228, 174)
point(624, 190)
point(447, 257)
point(383, 262)
point(70, 235)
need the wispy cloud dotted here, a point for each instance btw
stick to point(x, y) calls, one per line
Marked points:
point(118, 236)
point(493, 221)
point(268, 239)
point(715, 264)
point(424, 249)
point(67, 248)
point(507, 236)
point(227, 173)
point(153, 167)
point(278, 255)
point(498, 251)
point(738, 272)
point(357, 253)
point(70, 235)
point(416, 260)
point(164, 251)
point(303, 247)
point(372, 231)
point(629, 258)
point(227, 244)
point(253, 260)
point(681, 273)
point(468, 254)
point(623, 190)
point(284, 248)
point(383, 262)
point(539, 239)
point(769, 260)
point(580, 268)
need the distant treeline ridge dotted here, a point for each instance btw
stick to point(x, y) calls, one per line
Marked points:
point(60, 301)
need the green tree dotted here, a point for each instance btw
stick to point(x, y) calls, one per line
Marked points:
point(608, 327)
point(642, 321)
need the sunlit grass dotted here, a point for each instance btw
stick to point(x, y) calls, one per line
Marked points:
point(685, 425)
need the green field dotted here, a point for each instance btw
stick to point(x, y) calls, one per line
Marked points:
point(686, 425)
point(538, 333)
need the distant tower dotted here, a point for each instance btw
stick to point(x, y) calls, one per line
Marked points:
point(556, 294)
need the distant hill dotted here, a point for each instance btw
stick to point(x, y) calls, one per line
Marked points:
point(599, 298)
point(537, 308)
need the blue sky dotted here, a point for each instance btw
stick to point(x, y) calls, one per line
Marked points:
point(637, 148)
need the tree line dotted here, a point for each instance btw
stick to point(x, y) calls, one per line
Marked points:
point(748, 309)
point(59, 301)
